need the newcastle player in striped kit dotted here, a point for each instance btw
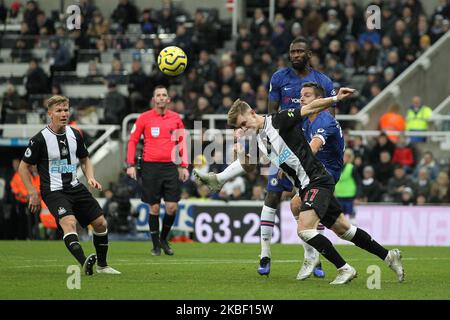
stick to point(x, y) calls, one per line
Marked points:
point(57, 150)
point(280, 139)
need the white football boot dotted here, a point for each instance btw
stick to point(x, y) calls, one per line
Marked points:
point(209, 179)
point(394, 261)
point(345, 274)
point(308, 267)
point(107, 270)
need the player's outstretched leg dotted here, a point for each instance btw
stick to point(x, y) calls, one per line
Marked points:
point(363, 240)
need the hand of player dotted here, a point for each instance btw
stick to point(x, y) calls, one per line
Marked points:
point(238, 133)
point(34, 203)
point(344, 93)
point(183, 174)
point(95, 184)
point(131, 172)
point(280, 174)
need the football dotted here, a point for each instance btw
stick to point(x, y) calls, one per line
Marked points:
point(172, 61)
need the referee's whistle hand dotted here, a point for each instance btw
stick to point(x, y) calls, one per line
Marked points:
point(183, 174)
point(131, 172)
point(95, 184)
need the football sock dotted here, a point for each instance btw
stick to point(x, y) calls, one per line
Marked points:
point(101, 247)
point(320, 230)
point(267, 223)
point(232, 171)
point(153, 223)
point(73, 244)
point(325, 247)
point(363, 240)
point(167, 225)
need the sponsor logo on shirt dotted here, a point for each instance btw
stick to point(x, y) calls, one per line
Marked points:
point(284, 155)
point(61, 210)
point(61, 166)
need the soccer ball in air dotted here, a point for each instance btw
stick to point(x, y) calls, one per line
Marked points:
point(172, 61)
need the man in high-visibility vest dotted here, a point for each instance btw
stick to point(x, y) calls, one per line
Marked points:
point(417, 118)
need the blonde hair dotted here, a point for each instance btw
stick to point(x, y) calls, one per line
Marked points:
point(55, 100)
point(238, 107)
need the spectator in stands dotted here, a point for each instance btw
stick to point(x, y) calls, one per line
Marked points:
point(99, 26)
point(404, 154)
point(45, 25)
point(398, 183)
point(280, 38)
point(347, 188)
point(3, 11)
point(167, 20)
point(87, 114)
point(259, 20)
point(14, 9)
point(437, 29)
point(30, 16)
point(417, 118)
point(382, 144)
point(58, 56)
point(392, 120)
point(398, 32)
point(408, 49)
point(371, 190)
point(372, 36)
point(353, 23)
point(440, 189)
point(422, 184)
point(372, 78)
point(383, 52)
point(138, 88)
point(117, 74)
point(407, 197)
point(114, 105)
point(94, 75)
point(148, 24)
point(183, 39)
point(125, 13)
point(352, 57)
point(204, 37)
point(21, 53)
point(202, 107)
point(388, 76)
point(36, 80)
point(428, 162)
point(384, 168)
point(360, 150)
point(394, 62)
point(12, 103)
point(443, 9)
point(332, 23)
point(424, 44)
point(206, 67)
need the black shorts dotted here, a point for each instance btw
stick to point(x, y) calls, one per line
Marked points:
point(160, 180)
point(77, 202)
point(323, 202)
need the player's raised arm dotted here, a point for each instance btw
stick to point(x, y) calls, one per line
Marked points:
point(323, 103)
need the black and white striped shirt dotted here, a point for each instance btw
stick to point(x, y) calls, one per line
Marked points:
point(282, 140)
point(56, 156)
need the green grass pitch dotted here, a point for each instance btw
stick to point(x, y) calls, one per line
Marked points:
point(37, 270)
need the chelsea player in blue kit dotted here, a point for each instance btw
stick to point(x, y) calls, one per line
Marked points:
point(284, 93)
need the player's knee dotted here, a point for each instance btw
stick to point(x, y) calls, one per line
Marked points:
point(347, 233)
point(154, 208)
point(307, 234)
point(68, 224)
point(100, 225)
point(171, 208)
point(272, 199)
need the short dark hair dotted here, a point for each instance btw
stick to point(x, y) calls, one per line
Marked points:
point(160, 86)
point(319, 91)
point(300, 40)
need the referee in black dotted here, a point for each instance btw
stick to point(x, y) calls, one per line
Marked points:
point(57, 150)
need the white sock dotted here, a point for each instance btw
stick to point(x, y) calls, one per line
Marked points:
point(232, 171)
point(267, 222)
point(310, 252)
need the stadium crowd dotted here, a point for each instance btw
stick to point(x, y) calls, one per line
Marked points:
point(388, 169)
